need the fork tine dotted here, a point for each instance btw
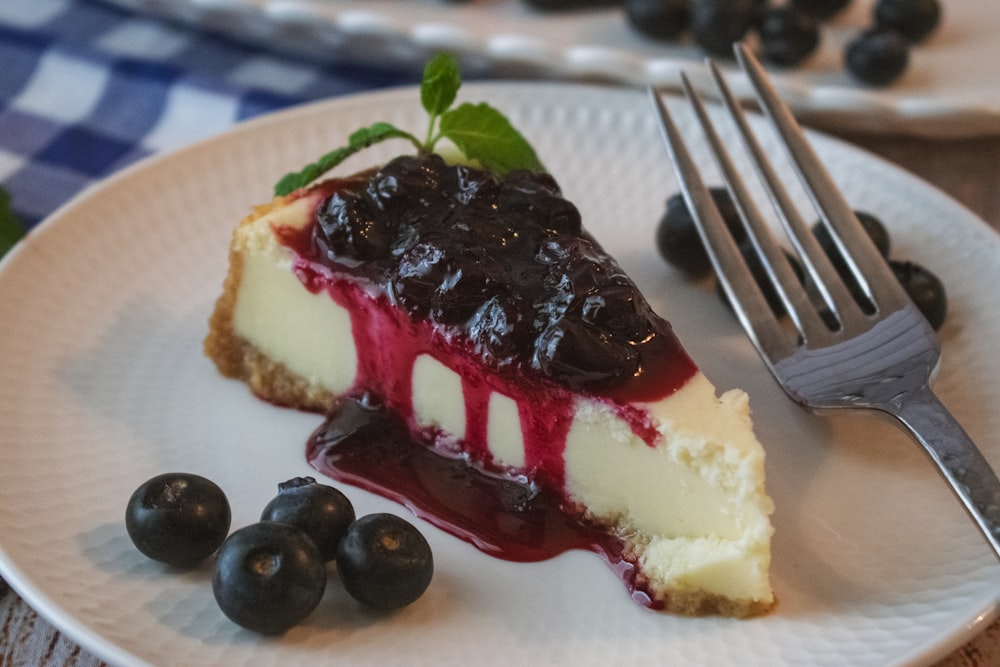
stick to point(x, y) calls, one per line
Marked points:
point(747, 300)
point(823, 275)
point(858, 251)
point(786, 283)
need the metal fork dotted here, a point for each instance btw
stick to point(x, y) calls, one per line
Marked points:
point(832, 351)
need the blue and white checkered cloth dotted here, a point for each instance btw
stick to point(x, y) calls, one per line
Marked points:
point(87, 88)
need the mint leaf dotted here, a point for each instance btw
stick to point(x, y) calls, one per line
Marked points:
point(440, 84)
point(478, 130)
point(484, 134)
point(11, 230)
point(359, 140)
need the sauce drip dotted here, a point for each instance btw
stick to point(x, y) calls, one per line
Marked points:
point(363, 444)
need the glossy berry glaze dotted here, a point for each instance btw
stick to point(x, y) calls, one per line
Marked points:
point(496, 279)
point(505, 516)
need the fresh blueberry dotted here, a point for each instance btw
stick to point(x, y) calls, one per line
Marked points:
point(879, 235)
point(320, 511)
point(877, 57)
point(757, 12)
point(913, 19)
point(820, 9)
point(178, 518)
point(717, 24)
point(771, 295)
point(384, 561)
point(268, 577)
point(787, 35)
point(926, 290)
point(874, 227)
point(677, 236)
point(559, 5)
point(876, 231)
point(660, 19)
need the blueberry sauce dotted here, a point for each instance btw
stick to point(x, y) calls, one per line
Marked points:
point(501, 266)
point(495, 279)
point(512, 518)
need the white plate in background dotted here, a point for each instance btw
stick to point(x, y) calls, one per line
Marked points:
point(950, 88)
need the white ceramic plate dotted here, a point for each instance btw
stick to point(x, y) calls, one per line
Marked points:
point(949, 90)
point(103, 384)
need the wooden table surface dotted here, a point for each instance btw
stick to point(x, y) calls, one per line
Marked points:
point(967, 169)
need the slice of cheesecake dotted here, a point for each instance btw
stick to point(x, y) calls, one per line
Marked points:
point(481, 319)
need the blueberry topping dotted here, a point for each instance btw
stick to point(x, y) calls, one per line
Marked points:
point(350, 229)
point(268, 577)
point(926, 290)
point(500, 263)
point(787, 35)
point(913, 19)
point(178, 518)
point(574, 349)
point(320, 511)
point(384, 561)
point(877, 57)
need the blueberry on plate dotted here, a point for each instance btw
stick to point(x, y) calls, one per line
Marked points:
point(874, 227)
point(879, 235)
point(717, 24)
point(178, 518)
point(767, 288)
point(320, 511)
point(384, 561)
point(926, 290)
point(677, 236)
point(268, 577)
point(560, 5)
point(787, 35)
point(820, 9)
point(913, 19)
point(877, 57)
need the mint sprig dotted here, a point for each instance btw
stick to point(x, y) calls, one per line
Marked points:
point(484, 134)
point(479, 131)
point(357, 141)
point(11, 230)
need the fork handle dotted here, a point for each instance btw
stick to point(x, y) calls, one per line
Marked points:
point(956, 456)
